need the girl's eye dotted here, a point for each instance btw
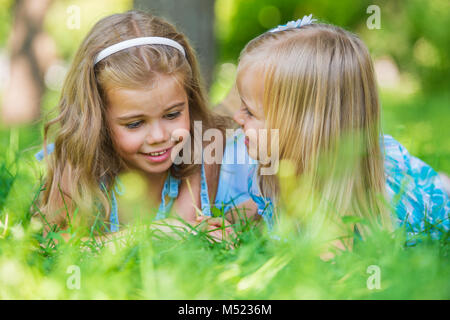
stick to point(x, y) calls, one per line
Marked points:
point(248, 112)
point(173, 115)
point(245, 110)
point(134, 125)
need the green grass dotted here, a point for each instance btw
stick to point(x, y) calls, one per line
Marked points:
point(259, 267)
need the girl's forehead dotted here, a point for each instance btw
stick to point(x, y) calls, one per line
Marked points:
point(250, 81)
point(164, 91)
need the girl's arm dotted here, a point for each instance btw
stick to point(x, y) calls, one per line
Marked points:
point(246, 211)
point(168, 227)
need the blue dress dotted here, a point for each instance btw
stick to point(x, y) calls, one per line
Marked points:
point(415, 192)
point(232, 188)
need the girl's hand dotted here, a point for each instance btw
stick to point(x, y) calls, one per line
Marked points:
point(218, 228)
point(213, 227)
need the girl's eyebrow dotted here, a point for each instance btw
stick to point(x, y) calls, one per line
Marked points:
point(246, 105)
point(139, 115)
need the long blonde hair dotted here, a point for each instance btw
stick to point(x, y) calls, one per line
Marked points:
point(84, 154)
point(320, 92)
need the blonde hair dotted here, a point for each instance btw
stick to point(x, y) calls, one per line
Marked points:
point(320, 92)
point(84, 154)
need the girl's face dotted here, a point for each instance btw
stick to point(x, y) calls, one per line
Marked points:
point(250, 116)
point(143, 123)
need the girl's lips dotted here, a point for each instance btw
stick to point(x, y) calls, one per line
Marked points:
point(161, 157)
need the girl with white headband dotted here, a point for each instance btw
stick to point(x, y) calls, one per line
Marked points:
point(134, 85)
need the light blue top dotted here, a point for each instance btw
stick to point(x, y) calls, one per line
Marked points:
point(415, 192)
point(232, 189)
point(235, 170)
point(265, 205)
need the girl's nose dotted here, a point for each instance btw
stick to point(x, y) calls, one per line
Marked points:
point(157, 134)
point(238, 118)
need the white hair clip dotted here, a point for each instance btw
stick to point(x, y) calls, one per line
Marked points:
point(295, 24)
point(137, 42)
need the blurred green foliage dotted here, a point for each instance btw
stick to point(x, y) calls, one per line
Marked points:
point(414, 33)
point(5, 20)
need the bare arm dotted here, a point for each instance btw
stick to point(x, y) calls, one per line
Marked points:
point(247, 210)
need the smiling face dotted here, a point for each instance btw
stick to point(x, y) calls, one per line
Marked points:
point(250, 116)
point(144, 120)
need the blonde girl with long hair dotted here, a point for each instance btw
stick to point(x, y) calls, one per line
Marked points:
point(129, 103)
point(314, 83)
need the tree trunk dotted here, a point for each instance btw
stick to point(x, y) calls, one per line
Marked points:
point(195, 18)
point(32, 52)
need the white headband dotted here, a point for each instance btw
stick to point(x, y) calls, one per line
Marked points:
point(137, 42)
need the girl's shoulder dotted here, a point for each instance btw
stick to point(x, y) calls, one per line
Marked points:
point(241, 170)
point(400, 163)
point(41, 154)
point(264, 204)
point(414, 189)
point(235, 170)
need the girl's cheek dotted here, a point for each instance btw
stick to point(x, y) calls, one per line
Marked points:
point(128, 142)
point(181, 122)
point(239, 118)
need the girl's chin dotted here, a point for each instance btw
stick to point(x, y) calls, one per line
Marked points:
point(152, 168)
point(158, 168)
